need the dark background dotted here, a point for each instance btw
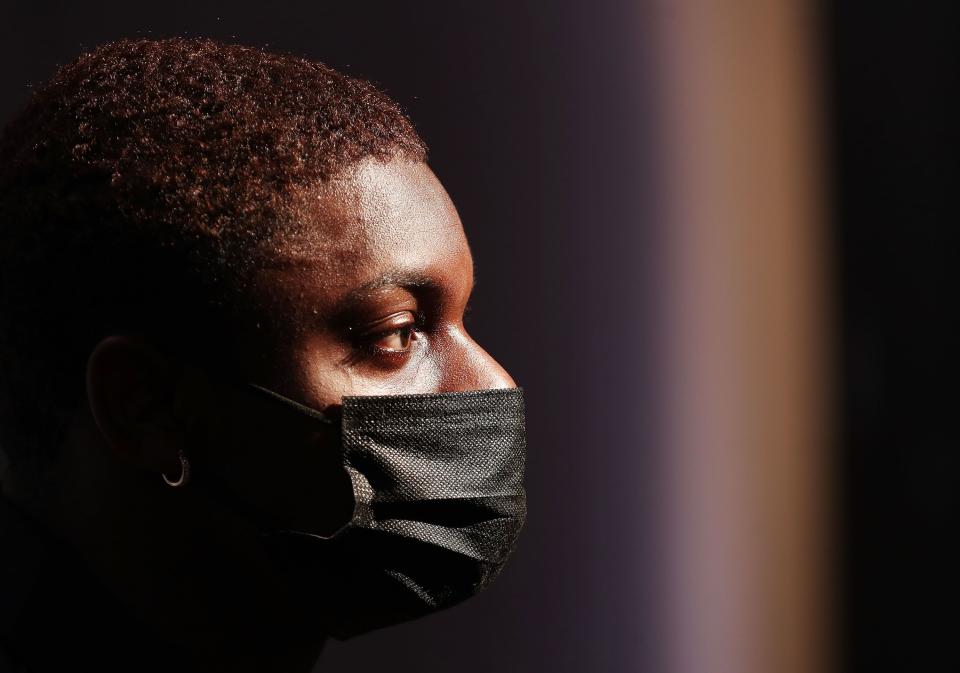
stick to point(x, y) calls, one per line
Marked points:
point(533, 115)
point(893, 92)
point(539, 128)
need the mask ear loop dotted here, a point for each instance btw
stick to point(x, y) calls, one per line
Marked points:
point(293, 404)
point(217, 376)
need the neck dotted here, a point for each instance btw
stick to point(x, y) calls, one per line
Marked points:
point(197, 577)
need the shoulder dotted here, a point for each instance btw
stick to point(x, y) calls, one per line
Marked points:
point(54, 612)
point(7, 664)
point(25, 555)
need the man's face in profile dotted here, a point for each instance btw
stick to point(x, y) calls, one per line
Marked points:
point(367, 299)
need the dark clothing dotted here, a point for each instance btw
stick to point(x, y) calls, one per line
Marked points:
point(56, 616)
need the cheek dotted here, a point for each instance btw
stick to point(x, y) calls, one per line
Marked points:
point(266, 460)
point(325, 370)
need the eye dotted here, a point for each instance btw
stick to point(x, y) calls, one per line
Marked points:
point(397, 340)
point(392, 336)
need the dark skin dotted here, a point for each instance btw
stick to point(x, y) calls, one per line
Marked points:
point(368, 299)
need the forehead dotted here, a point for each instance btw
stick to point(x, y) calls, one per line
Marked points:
point(375, 220)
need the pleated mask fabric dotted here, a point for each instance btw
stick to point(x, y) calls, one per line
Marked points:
point(439, 502)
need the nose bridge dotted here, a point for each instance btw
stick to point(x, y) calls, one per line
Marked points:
point(470, 367)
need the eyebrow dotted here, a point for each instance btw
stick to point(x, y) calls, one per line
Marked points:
point(396, 278)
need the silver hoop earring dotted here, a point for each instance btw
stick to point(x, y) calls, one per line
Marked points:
point(184, 473)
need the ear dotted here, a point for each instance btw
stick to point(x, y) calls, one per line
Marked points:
point(132, 390)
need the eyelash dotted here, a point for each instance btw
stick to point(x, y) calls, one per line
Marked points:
point(367, 341)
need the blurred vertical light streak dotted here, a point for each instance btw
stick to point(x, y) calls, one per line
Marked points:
point(745, 499)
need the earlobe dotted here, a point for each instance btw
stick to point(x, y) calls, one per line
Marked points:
point(130, 393)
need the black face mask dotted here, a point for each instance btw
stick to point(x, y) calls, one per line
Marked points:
point(438, 503)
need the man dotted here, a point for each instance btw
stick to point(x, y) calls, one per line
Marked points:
point(238, 403)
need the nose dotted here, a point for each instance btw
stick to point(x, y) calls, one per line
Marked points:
point(470, 367)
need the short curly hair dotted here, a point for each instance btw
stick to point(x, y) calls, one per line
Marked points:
point(137, 188)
